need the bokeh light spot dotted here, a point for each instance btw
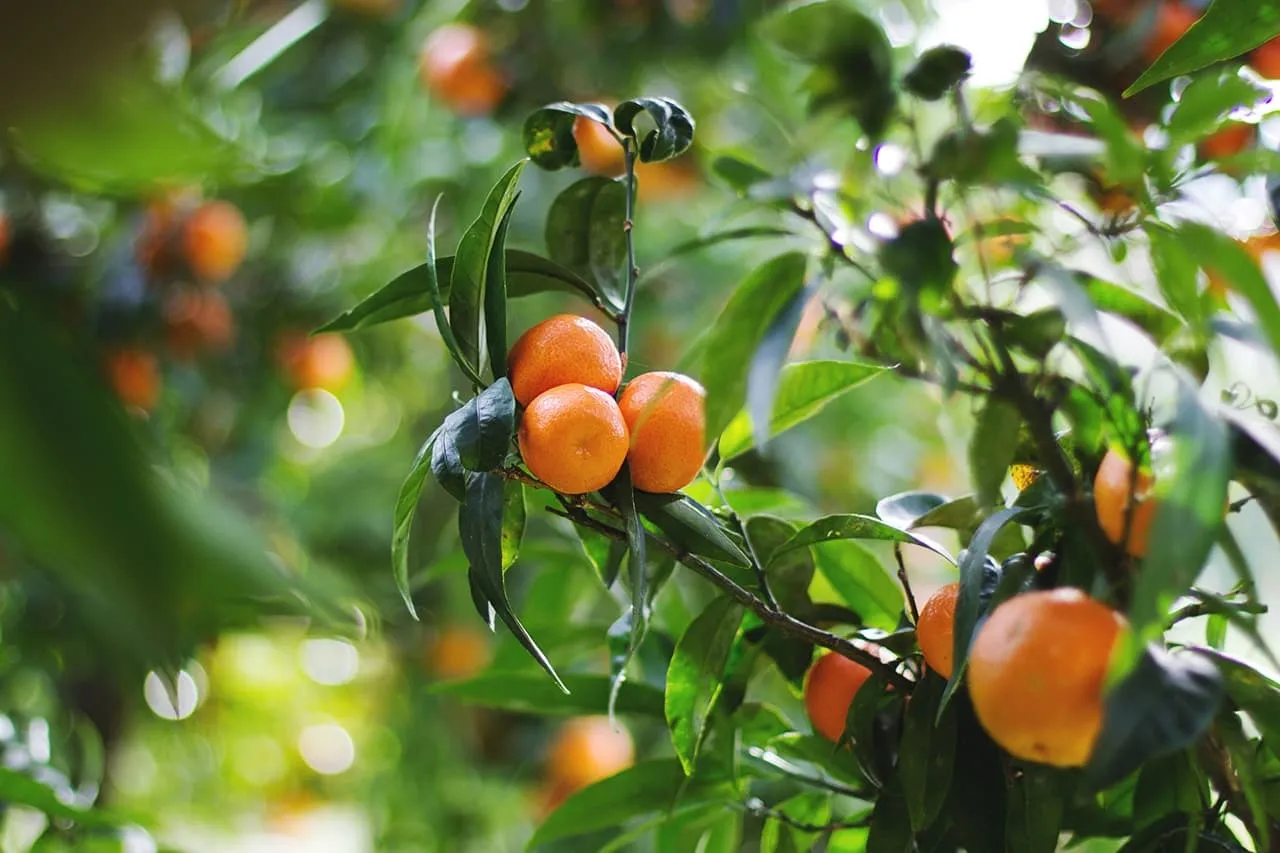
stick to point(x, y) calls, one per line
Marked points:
point(327, 748)
point(316, 418)
point(330, 662)
point(180, 704)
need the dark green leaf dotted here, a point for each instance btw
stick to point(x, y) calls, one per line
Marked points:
point(691, 526)
point(861, 582)
point(851, 526)
point(650, 788)
point(738, 173)
point(495, 295)
point(1137, 309)
point(920, 258)
point(789, 573)
point(471, 268)
point(927, 752)
point(671, 135)
point(1228, 29)
point(532, 693)
point(585, 233)
point(804, 389)
point(1169, 785)
point(738, 331)
point(1255, 693)
point(446, 465)
point(638, 621)
point(1190, 491)
point(938, 70)
point(891, 823)
point(410, 293)
point(1176, 274)
point(406, 506)
point(696, 673)
point(1038, 332)
point(1216, 251)
point(1163, 705)
point(476, 437)
point(991, 451)
point(1035, 807)
point(906, 508)
point(969, 603)
point(480, 530)
point(1242, 752)
point(749, 232)
point(548, 133)
point(766, 364)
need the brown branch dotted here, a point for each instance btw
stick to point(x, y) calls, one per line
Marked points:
point(906, 583)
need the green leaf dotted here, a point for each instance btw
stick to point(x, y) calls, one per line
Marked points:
point(690, 525)
point(671, 135)
point(1176, 274)
point(585, 233)
point(891, 823)
point(1035, 810)
point(1038, 332)
point(1190, 492)
point(18, 789)
point(969, 603)
point(532, 693)
point(938, 70)
point(412, 293)
point(696, 674)
point(832, 527)
point(1206, 100)
point(748, 232)
point(804, 389)
point(1257, 694)
point(1243, 757)
point(991, 450)
point(790, 574)
point(741, 175)
point(480, 527)
point(649, 788)
point(476, 437)
point(1216, 251)
point(495, 295)
point(739, 329)
point(548, 132)
point(1163, 705)
point(638, 618)
point(406, 506)
point(1134, 307)
point(766, 363)
point(861, 582)
point(927, 752)
point(471, 267)
point(921, 259)
point(446, 465)
point(1169, 785)
point(1228, 29)
point(514, 515)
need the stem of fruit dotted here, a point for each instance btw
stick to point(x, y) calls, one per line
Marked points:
point(633, 271)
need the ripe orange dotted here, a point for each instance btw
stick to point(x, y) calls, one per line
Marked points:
point(1266, 60)
point(667, 181)
point(599, 151)
point(1172, 20)
point(457, 652)
point(829, 689)
point(559, 350)
point(197, 320)
point(1227, 142)
point(666, 415)
point(135, 376)
point(456, 67)
point(1111, 498)
point(573, 438)
point(1036, 674)
point(936, 630)
point(324, 361)
point(214, 240)
point(586, 750)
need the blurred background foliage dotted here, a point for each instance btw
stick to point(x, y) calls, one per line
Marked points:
point(198, 630)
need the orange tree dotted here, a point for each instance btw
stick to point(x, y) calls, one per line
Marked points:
point(1067, 711)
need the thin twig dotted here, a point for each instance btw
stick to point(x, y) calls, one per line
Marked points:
point(1202, 608)
point(759, 809)
point(834, 245)
point(906, 583)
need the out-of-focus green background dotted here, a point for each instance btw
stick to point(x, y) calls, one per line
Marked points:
point(167, 697)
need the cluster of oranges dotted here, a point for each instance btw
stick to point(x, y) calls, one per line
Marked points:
point(575, 436)
point(1037, 666)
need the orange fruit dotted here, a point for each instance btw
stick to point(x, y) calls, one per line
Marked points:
point(1266, 60)
point(324, 361)
point(584, 751)
point(457, 652)
point(1172, 20)
point(559, 350)
point(666, 416)
point(214, 240)
point(936, 629)
point(599, 152)
point(197, 320)
point(829, 688)
point(573, 438)
point(135, 376)
point(1036, 674)
point(1111, 499)
point(456, 67)
point(669, 180)
point(1228, 141)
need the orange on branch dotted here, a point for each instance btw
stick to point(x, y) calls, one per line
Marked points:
point(666, 415)
point(599, 152)
point(573, 438)
point(135, 376)
point(197, 320)
point(829, 688)
point(1227, 142)
point(1116, 488)
point(669, 180)
point(1266, 60)
point(457, 652)
point(324, 361)
point(559, 350)
point(586, 750)
point(935, 631)
point(1172, 20)
point(214, 240)
point(456, 66)
point(1036, 674)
